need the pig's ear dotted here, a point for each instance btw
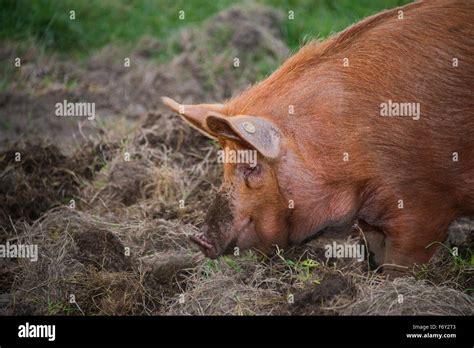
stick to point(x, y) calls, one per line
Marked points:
point(258, 133)
point(195, 115)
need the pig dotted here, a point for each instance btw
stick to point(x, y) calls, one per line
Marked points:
point(374, 124)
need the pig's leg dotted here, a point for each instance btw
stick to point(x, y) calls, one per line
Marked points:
point(375, 239)
point(401, 255)
point(410, 242)
point(376, 245)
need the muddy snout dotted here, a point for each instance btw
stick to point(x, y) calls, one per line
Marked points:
point(215, 235)
point(205, 244)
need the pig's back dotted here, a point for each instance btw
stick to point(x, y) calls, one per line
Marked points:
point(425, 59)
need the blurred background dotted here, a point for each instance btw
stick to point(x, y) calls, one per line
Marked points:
point(76, 50)
point(103, 22)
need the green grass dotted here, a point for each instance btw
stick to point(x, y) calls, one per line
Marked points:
point(5, 125)
point(97, 22)
point(59, 308)
point(100, 22)
point(210, 267)
point(319, 18)
point(232, 264)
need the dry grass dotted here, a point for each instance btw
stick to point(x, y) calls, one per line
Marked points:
point(407, 296)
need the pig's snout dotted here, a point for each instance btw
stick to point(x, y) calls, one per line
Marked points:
point(217, 232)
point(205, 244)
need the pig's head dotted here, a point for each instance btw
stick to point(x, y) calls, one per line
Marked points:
point(249, 210)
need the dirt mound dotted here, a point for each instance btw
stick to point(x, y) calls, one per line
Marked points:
point(35, 177)
point(253, 48)
point(317, 300)
point(226, 287)
point(39, 179)
point(407, 296)
point(82, 256)
point(127, 180)
point(101, 249)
